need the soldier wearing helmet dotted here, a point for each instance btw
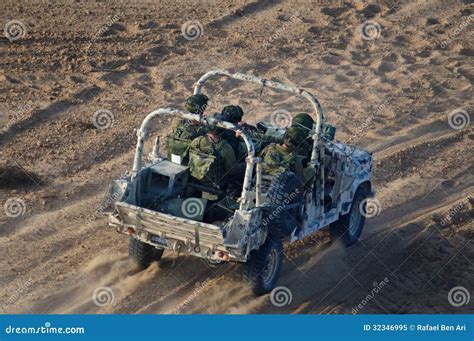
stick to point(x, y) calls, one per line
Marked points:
point(278, 158)
point(184, 131)
point(232, 114)
point(303, 122)
point(211, 158)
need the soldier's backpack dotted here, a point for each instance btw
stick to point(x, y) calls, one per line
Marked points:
point(178, 142)
point(205, 162)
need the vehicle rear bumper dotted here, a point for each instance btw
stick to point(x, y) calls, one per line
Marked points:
point(174, 233)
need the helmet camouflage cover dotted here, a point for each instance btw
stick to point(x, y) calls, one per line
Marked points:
point(303, 120)
point(232, 113)
point(196, 104)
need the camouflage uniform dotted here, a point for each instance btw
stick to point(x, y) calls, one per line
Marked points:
point(232, 114)
point(211, 163)
point(303, 122)
point(185, 131)
point(278, 158)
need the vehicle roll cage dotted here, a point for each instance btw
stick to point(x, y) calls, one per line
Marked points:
point(251, 160)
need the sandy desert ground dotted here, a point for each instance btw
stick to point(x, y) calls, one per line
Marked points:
point(401, 89)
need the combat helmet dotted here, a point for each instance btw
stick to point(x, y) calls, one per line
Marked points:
point(232, 114)
point(303, 120)
point(196, 104)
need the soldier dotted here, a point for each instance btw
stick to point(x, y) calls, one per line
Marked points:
point(278, 158)
point(211, 159)
point(232, 114)
point(303, 122)
point(185, 131)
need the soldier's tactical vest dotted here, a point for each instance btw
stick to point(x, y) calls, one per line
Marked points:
point(177, 143)
point(205, 161)
point(275, 161)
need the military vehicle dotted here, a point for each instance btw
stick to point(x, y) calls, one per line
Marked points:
point(156, 204)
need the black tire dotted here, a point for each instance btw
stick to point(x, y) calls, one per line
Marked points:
point(142, 253)
point(285, 189)
point(262, 269)
point(349, 226)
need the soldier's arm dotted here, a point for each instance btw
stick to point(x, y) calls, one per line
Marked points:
point(298, 166)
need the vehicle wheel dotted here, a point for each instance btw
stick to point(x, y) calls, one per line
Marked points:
point(262, 269)
point(285, 189)
point(349, 226)
point(142, 253)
